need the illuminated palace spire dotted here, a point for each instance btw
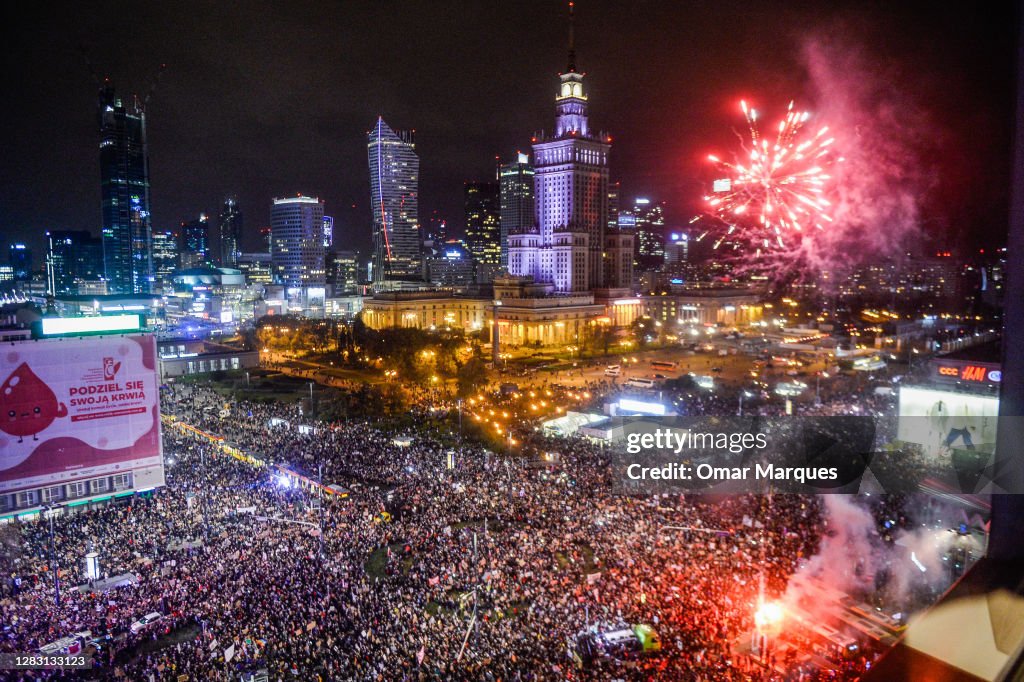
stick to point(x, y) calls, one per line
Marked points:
point(571, 190)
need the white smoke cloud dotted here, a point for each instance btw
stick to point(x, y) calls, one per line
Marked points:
point(852, 554)
point(846, 556)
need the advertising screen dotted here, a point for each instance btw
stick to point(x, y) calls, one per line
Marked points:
point(933, 417)
point(73, 409)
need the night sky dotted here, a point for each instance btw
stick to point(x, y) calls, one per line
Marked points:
point(265, 100)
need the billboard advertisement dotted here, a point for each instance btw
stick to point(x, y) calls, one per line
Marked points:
point(937, 418)
point(78, 408)
point(970, 373)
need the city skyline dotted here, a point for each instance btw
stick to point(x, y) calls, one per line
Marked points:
point(199, 154)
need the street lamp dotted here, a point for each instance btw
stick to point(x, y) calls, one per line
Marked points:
point(495, 341)
point(744, 394)
point(460, 419)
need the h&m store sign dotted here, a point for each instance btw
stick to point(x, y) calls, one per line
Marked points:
point(970, 372)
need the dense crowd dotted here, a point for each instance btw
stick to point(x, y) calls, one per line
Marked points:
point(443, 562)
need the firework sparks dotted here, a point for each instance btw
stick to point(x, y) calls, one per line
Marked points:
point(778, 190)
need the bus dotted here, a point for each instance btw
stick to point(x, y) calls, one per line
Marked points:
point(640, 383)
point(612, 370)
point(664, 364)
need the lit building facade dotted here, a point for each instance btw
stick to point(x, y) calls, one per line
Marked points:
point(298, 254)
point(230, 232)
point(527, 313)
point(571, 195)
point(908, 278)
point(394, 200)
point(517, 203)
point(72, 255)
point(649, 225)
point(614, 192)
point(195, 242)
point(450, 265)
point(258, 268)
point(165, 256)
point(677, 251)
point(219, 295)
point(328, 232)
point(124, 190)
point(343, 272)
point(705, 307)
point(425, 310)
point(483, 223)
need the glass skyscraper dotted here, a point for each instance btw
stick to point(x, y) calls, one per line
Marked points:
point(517, 206)
point(394, 201)
point(298, 255)
point(124, 178)
point(230, 232)
point(195, 242)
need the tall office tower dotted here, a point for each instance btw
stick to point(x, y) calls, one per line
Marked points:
point(343, 272)
point(483, 222)
point(165, 256)
point(298, 254)
point(72, 255)
point(614, 190)
point(19, 257)
point(124, 182)
point(230, 232)
point(649, 223)
point(195, 242)
point(394, 201)
point(517, 206)
point(328, 232)
point(267, 239)
point(571, 190)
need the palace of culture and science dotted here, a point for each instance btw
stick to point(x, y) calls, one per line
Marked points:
point(568, 272)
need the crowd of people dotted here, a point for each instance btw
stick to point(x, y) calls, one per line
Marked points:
point(435, 561)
